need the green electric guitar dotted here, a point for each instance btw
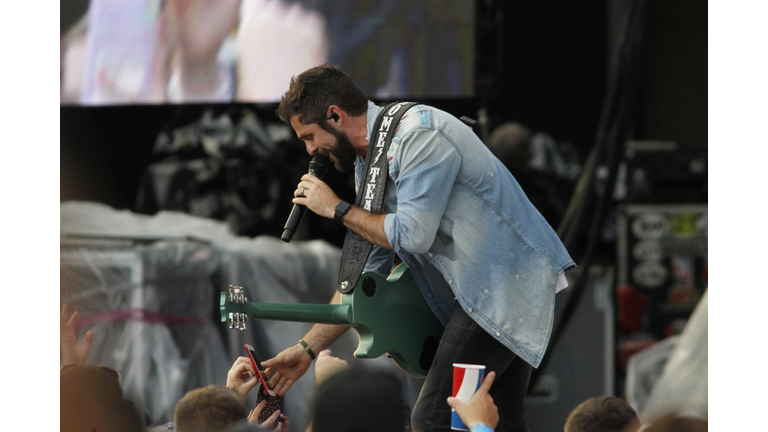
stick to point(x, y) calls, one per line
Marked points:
point(390, 316)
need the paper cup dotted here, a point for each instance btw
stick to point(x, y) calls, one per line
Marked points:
point(466, 381)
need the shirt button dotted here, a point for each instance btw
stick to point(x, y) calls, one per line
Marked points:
point(430, 254)
point(491, 174)
point(450, 282)
point(498, 334)
point(470, 310)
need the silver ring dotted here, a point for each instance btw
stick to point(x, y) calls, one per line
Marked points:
point(302, 192)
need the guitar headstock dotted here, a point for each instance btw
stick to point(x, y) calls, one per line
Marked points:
point(236, 295)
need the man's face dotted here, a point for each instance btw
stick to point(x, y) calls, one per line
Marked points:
point(334, 143)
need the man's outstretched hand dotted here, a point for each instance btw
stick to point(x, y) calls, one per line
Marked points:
point(288, 367)
point(71, 352)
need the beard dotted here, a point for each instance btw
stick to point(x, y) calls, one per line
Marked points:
point(342, 151)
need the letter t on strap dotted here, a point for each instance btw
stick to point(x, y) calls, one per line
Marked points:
point(370, 194)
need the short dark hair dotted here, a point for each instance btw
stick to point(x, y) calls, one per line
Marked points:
point(601, 414)
point(357, 399)
point(511, 143)
point(311, 93)
point(208, 409)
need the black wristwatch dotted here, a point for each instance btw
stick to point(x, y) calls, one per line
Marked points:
point(342, 208)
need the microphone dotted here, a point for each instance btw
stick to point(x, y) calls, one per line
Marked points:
point(318, 166)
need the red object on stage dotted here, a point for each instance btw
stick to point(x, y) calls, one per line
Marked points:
point(630, 308)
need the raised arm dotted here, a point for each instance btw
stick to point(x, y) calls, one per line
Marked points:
point(293, 362)
point(71, 352)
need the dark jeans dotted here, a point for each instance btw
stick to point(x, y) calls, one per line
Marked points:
point(466, 342)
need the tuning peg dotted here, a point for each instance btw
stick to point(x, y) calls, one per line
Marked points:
point(240, 321)
point(237, 294)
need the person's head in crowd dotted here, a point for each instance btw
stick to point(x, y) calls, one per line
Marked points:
point(602, 414)
point(356, 399)
point(511, 143)
point(208, 409)
point(91, 399)
point(677, 423)
point(245, 426)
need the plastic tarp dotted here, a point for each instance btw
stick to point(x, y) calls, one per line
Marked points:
point(644, 369)
point(671, 377)
point(148, 287)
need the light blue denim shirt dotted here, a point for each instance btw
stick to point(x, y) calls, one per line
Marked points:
point(462, 224)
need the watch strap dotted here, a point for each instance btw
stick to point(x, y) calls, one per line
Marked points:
point(342, 208)
point(307, 349)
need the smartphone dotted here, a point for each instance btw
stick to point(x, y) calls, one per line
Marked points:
point(259, 371)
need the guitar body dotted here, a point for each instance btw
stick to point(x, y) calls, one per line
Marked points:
point(390, 316)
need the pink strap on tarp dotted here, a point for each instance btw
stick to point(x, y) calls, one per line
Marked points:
point(137, 314)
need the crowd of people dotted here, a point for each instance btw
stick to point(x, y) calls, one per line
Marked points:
point(348, 399)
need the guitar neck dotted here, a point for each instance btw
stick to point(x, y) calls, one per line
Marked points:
point(311, 313)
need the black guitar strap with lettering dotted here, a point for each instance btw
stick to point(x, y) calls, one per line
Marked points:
point(370, 195)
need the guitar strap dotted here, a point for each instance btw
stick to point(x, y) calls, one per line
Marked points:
point(370, 194)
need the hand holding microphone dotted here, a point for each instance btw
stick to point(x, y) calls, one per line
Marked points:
point(317, 167)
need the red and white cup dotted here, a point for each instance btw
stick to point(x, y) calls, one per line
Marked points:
point(466, 380)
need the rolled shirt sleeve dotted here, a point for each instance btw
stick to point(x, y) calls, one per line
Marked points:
point(425, 165)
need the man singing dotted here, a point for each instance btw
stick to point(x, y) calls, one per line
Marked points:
point(485, 260)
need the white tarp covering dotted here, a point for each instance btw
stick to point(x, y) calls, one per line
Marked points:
point(671, 377)
point(148, 287)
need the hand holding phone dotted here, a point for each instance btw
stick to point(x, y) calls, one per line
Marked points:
point(259, 371)
point(240, 377)
point(273, 402)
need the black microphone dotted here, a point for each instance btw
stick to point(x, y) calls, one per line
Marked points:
point(318, 166)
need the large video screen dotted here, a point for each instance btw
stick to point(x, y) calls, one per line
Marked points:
point(208, 51)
